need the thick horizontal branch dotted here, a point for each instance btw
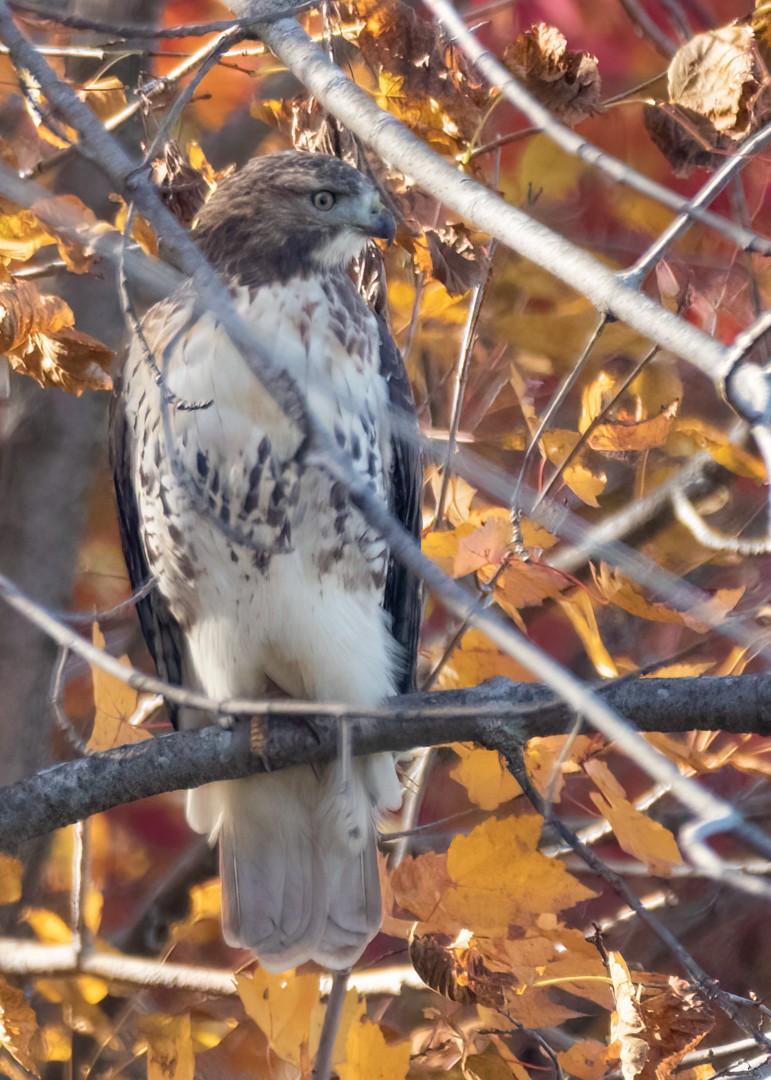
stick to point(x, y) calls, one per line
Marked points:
point(76, 789)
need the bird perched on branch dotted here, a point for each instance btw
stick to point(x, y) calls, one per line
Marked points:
point(268, 581)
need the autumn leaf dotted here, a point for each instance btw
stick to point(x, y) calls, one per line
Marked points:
point(484, 775)
point(287, 1008)
point(479, 659)
point(455, 968)
point(11, 872)
point(115, 703)
point(636, 833)
point(618, 590)
point(567, 83)
point(368, 1054)
point(586, 1060)
point(419, 885)
point(37, 337)
point(658, 1020)
point(169, 1047)
point(580, 612)
point(717, 95)
point(21, 234)
point(618, 436)
point(550, 758)
point(453, 257)
point(500, 878)
point(525, 583)
point(691, 434)
point(18, 1027)
point(584, 481)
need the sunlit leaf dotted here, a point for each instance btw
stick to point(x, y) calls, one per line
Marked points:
point(287, 1008)
point(368, 1054)
point(625, 594)
point(18, 1027)
point(636, 833)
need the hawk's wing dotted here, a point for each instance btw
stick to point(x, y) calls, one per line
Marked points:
point(161, 630)
point(402, 598)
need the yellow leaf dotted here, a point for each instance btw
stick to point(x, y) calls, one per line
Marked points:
point(627, 595)
point(585, 1060)
point(21, 234)
point(485, 777)
point(93, 990)
point(115, 702)
point(420, 885)
point(636, 833)
point(18, 1027)
point(502, 879)
point(11, 871)
point(582, 481)
point(49, 927)
point(287, 1008)
point(542, 755)
point(616, 436)
point(579, 610)
point(58, 1043)
point(367, 1054)
point(169, 1047)
point(690, 434)
point(478, 659)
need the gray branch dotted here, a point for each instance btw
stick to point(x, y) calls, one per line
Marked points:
point(74, 790)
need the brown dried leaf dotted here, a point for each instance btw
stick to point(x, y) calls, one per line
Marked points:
point(456, 969)
point(585, 1060)
point(184, 188)
point(18, 1027)
point(24, 311)
point(424, 79)
point(455, 262)
point(68, 359)
point(658, 1020)
point(567, 83)
point(419, 886)
point(618, 436)
point(718, 94)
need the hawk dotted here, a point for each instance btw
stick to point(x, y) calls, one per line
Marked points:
point(267, 581)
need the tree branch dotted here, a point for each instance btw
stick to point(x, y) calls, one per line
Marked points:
point(75, 789)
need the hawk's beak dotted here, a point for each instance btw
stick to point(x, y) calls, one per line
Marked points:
point(382, 224)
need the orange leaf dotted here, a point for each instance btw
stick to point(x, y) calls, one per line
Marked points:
point(616, 436)
point(636, 833)
point(585, 1060)
point(625, 594)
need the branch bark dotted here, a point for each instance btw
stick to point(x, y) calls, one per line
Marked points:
point(73, 790)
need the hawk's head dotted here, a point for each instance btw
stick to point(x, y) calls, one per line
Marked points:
point(291, 213)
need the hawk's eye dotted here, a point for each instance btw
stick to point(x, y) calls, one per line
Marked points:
point(323, 200)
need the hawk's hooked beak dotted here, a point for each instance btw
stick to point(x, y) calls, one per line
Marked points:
point(382, 224)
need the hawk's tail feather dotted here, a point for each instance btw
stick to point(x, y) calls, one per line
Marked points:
point(296, 885)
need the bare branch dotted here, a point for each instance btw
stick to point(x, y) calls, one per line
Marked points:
point(295, 733)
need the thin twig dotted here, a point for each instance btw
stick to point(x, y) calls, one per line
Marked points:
point(322, 1069)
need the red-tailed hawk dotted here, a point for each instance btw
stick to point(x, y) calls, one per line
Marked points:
point(267, 580)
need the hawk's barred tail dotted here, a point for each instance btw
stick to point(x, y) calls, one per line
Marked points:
point(296, 885)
